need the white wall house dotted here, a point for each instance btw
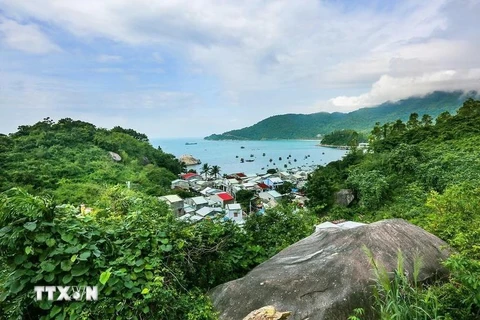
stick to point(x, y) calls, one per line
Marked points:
point(234, 212)
point(174, 202)
point(273, 182)
point(180, 184)
point(197, 202)
point(270, 196)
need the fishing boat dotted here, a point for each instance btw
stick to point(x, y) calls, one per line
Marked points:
point(190, 143)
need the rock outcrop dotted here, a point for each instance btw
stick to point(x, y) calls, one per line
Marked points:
point(344, 197)
point(189, 160)
point(327, 275)
point(267, 313)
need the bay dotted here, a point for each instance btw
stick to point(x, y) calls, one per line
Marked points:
point(227, 153)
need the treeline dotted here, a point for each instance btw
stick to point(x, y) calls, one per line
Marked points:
point(428, 173)
point(70, 159)
point(344, 138)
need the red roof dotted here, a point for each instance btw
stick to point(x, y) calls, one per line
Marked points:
point(240, 175)
point(263, 185)
point(225, 196)
point(187, 176)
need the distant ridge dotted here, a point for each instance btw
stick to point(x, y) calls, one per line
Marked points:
point(307, 126)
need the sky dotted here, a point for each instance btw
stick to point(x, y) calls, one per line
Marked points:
point(191, 68)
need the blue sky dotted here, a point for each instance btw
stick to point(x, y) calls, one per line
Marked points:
point(192, 68)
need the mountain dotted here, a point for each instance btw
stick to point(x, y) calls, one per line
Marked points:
point(300, 126)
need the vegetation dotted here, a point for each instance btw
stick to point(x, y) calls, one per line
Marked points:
point(70, 160)
point(426, 172)
point(309, 126)
point(146, 263)
point(343, 138)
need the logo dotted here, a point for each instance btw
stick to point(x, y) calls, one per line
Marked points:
point(59, 293)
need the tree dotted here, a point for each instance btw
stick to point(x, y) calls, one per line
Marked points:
point(215, 171)
point(245, 198)
point(205, 170)
point(413, 121)
point(427, 120)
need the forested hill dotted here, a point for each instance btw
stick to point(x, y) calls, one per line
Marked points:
point(299, 126)
point(71, 160)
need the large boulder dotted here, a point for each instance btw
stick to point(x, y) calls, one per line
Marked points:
point(327, 275)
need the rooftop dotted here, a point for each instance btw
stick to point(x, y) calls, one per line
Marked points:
point(171, 198)
point(225, 196)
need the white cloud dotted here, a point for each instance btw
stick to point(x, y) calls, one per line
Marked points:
point(268, 57)
point(25, 37)
point(389, 88)
point(105, 58)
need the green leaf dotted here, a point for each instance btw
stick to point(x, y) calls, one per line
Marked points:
point(67, 278)
point(138, 269)
point(19, 259)
point(166, 248)
point(84, 255)
point(45, 304)
point(148, 267)
point(49, 277)
point(16, 286)
point(104, 276)
point(66, 265)
point(28, 250)
point(41, 237)
point(139, 262)
point(128, 284)
point(30, 226)
point(164, 241)
point(73, 258)
point(79, 270)
point(55, 310)
point(50, 242)
point(67, 237)
point(149, 275)
point(146, 309)
point(47, 266)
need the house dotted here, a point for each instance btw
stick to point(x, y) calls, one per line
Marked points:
point(260, 187)
point(270, 196)
point(229, 183)
point(191, 176)
point(208, 191)
point(197, 202)
point(180, 184)
point(174, 202)
point(208, 211)
point(222, 198)
point(273, 182)
point(234, 212)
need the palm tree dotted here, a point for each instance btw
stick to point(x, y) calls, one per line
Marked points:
point(205, 169)
point(215, 170)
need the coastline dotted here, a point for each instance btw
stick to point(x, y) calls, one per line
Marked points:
point(334, 146)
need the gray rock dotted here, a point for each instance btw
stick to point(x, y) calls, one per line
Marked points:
point(344, 197)
point(327, 275)
point(115, 156)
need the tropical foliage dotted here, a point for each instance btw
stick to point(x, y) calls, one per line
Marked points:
point(146, 263)
point(426, 172)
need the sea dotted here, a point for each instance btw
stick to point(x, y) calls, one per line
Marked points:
point(227, 154)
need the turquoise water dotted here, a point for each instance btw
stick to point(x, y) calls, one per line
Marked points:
point(224, 153)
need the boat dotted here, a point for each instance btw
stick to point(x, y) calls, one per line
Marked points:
point(249, 160)
point(242, 147)
point(190, 143)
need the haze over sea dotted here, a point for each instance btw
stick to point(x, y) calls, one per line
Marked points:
point(224, 153)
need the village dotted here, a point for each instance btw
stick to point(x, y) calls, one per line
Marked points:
point(218, 196)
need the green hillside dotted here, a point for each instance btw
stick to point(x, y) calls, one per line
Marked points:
point(300, 126)
point(428, 173)
point(71, 160)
